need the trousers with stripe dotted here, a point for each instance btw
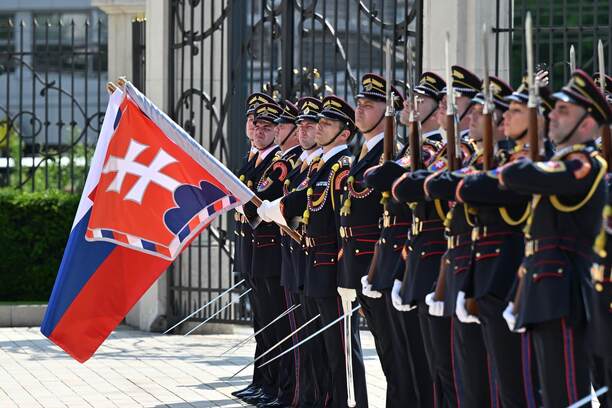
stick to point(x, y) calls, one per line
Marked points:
point(563, 362)
point(264, 377)
point(436, 334)
point(511, 353)
point(473, 371)
point(330, 309)
point(413, 367)
point(393, 354)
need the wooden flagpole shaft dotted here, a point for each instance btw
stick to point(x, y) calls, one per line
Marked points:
point(293, 234)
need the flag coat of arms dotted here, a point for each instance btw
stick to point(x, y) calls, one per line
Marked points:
point(151, 189)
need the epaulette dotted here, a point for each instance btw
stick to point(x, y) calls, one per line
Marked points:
point(572, 149)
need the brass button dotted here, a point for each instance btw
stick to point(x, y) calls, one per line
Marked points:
point(560, 270)
point(497, 250)
point(384, 240)
point(535, 276)
point(356, 251)
point(477, 254)
point(394, 246)
point(599, 287)
point(422, 253)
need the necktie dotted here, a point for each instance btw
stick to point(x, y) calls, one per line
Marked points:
point(364, 151)
point(304, 166)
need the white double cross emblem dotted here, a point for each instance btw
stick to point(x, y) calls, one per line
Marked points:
point(147, 174)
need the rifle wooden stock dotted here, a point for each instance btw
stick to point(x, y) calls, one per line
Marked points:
point(293, 234)
point(388, 138)
point(450, 143)
point(532, 134)
point(605, 145)
point(415, 151)
point(517, 295)
point(487, 142)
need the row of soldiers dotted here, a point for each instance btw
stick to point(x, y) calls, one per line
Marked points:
point(481, 288)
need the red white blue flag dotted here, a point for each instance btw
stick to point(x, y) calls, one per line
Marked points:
point(150, 191)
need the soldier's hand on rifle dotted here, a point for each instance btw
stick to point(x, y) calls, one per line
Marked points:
point(381, 177)
point(461, 311)
point(396, 299)
point(436, 307)
point(366, 288)
point(510, 318)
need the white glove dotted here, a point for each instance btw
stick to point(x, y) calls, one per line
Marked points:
point(436, 307)
point(462, 314)
point(366, 288)
point(396, 299)
point(270, 212)
point(510, 318)
point(347, 295)
point(239, 210)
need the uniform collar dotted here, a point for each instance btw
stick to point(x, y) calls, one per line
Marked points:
point(332, 152)
point(374, 141)
point(264, 153)
point(313, 155)
point(286, 152)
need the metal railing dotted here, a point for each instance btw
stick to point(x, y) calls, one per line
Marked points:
point(224, 49)
point(52, 100)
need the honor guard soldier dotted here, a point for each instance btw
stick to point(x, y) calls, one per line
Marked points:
point(568, 192)
point(601, 275)
point(499, 246)
point(267, 181)
point(389, 260)
point(360, 214)
point(244, 234)
point(318, 205)
point(424, 249)
point(313, 379)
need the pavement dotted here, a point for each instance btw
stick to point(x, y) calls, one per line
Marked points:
point(139, 369)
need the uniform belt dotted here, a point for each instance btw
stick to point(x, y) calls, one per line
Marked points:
point(484, 231)
point(454, 241)
point(389, 221)
point(534, 246)
point(419, 226)
point(311, 242)
point(359, 230)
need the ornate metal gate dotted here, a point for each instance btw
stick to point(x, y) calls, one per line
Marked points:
point(221, 50)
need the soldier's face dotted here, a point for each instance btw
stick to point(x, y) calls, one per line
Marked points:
point(368, 112)
point(441, 113)
point(264, 134)
point(250, 127)
point(282, 131)
point(425, 106)
point(327, 129)
point(476, 122)
point(515, 120)
point(563, 118)
point(307, 130)
point(463, 105)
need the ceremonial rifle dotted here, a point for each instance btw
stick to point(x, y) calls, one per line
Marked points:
point(388, 141)
point(605, 130)
point(451, 153)
point(487, 112)
point(532, 127)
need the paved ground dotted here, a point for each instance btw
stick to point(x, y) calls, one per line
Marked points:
point(137, 369)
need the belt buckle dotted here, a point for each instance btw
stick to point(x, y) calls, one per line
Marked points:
point(475, 233)
point(342, 232)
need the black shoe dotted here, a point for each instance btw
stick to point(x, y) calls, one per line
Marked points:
point(248, 390)
point(275, 403)
point(257, 398)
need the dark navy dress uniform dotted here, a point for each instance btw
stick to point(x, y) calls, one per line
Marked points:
point(473, 372)
point(600, 327)
point(555, 301)
point(568, 199)
point(270, 298)
point(423, 249)
point(318, 206)
point(498, 252)
point(390, 262)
